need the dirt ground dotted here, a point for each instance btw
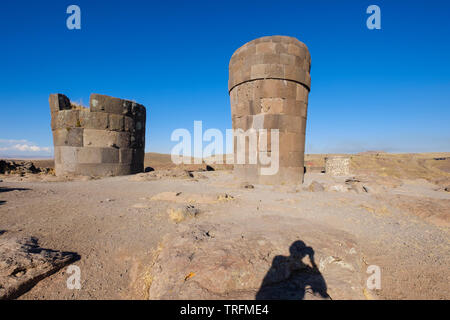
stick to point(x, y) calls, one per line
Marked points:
point(393, 212)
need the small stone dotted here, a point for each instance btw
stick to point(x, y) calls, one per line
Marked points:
point(339, 188)
point(182, 213)
point(316, 187)
point(247, 185)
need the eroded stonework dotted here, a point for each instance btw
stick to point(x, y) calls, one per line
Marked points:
point(107, 139)
point(269, 83)
point(337, 166)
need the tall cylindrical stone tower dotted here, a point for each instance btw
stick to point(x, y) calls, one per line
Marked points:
point(269, 82)
point(107, 139)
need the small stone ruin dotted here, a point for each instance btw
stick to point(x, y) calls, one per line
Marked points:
point(337, 165)
point(107, 139)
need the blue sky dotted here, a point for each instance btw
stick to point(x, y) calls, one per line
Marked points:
point(385, 89)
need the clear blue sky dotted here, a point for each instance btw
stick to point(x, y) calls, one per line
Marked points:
point(385, 89)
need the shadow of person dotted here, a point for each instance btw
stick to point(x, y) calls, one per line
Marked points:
point(290, 279)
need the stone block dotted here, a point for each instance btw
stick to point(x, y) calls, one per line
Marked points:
point(296, 108)
point(295, 50)
point(258, 71)
point(102, 169)
point(274, 71)
point(138, 112)
point(104, 138)
point(137, 140)
point(242, 122)
point(116, 122)
point(281, 48)
point(66, 159)
point(67, 119)
point(93, 120)
point(138, 156)
point(287, 59)
point(128, 123)
point(265, 47)
point(58, 102)
point(68, 137)
point(102, 103)
point(244, 107)
point(272, 105)
point(287, 142)
point(291, 159)
point(98, 155)
point(271, 58)
point(125, 156)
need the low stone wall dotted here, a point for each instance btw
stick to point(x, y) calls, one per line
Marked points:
point(337, 166)
point(106, 139)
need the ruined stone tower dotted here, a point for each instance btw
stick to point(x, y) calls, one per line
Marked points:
point(106, 139)
point(269, 83)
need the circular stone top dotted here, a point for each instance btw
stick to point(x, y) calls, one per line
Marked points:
point(274, 57)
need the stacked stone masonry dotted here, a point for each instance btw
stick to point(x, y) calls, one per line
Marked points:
point(337, 166)
point(107, 139)
point(269, 83)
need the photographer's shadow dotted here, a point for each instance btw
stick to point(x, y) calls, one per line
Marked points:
point(290, 279)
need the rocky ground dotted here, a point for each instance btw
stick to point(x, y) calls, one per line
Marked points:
point(182, 233)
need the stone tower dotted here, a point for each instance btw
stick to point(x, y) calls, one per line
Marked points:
point(106, 139)
point(269, 82)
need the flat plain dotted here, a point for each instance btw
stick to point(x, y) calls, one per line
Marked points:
point(185, 232)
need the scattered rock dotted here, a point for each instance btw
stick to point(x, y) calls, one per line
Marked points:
point(316, 187)
point(149, 169)
point(159, 174)
point(338, 188)
point(23, 264)
point(17, 167)
point(359, 188)
point(191, 197)
point(48, 171)
point(189, 173)
point(224, 197)
point(182, 213)
point(209, 168)
point(247, 185)
point(352, 180)
point(356, 185)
